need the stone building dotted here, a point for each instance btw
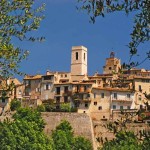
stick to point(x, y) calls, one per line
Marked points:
point(112, 64)
point(98, 95)
point(32, 87)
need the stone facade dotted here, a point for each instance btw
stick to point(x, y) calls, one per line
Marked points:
point(80, 123)
point(112, 64)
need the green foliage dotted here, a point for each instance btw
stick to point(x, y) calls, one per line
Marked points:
point(30, 115)
point(23, 135)
point(65, 129)
point(15, 104)
point(81, 143)
point(18, 19)
point(41, 108)
point(123, 141)
point(60, 140)
point(125, 138)
point(64, 139)
point(141, 30)
point(25, 132)
point(65, 107)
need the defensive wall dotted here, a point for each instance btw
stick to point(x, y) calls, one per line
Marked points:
point(81, 123)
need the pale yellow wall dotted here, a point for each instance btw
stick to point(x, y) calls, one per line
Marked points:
point(79, 67)
point(101, 102)
point(144, 85)
point(114, 63)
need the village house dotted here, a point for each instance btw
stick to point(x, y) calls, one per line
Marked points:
point(99, 95)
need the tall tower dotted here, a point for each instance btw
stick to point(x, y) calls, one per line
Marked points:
point(79, 60)
point(112, 64)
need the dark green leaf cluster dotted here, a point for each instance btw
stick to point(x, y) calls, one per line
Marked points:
point(25, 132)
point(30, 115)
point(23, 135)
point(123, 141)
point(17, 19)
point(64, 139)
point(141, 28)
point(15, 104)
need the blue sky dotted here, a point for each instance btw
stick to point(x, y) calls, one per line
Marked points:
point(64, 27)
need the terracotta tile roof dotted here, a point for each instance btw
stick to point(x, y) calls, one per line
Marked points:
point(114, 89)
point(148, 77)
point(74, 83)
point(29, 77)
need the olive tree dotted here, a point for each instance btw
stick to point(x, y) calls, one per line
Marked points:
point(18, 18)
point(141, 29)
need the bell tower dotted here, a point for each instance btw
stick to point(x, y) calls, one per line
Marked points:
point(79, 60)
point(112, 64)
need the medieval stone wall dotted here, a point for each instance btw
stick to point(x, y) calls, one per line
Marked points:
point(80, 122)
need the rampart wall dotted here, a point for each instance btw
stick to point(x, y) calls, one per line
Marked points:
point(80, 123)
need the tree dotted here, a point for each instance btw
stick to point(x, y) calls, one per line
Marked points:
point(30, 115)
point(41, 108)
point(64, 139)
point(65, 107)
point(81, 143)
point(124, 137)
point(17, 19)
point(63, 136)
point(124, 140)
point(141, 28)
point(15, 104)
point(23, 134)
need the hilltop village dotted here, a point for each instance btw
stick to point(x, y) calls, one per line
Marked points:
point(99, 95)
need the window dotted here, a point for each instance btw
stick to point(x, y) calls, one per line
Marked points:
point(84, 56)
point(66, 99)
point(114, 106)
point(86, 104)
point(3, 100)
point(121, 107)
point(76, 55)
point(65, 75)
point(57, 99)
point(57, 90)
point(140, 98)
point(115, 95)
point(102, 95)
point(109, 68)
point(47, 86)
point(85, 88)
point(100, 108)
point(128, 107)
point(140, 88)
point(95, 103)
point(65, 89)
point(94, 95)
point(128, 95)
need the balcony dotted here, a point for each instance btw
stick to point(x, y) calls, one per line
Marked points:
point(81, 91)
point(122, 100)
point(67, 93)
point(81, 97)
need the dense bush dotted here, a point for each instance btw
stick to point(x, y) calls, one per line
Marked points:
point(15, 104)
